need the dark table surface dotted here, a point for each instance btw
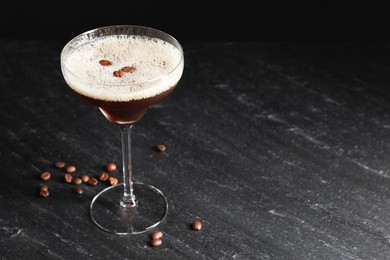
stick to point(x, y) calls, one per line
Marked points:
point(281, 149)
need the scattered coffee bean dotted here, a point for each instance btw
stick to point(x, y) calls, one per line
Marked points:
point(111, 167)
point(118, 73)
point(85, 178)
point(156, 242)
point(43, 188)
point(104, 176)
point(70, 169)
point(105, 62)
point(59, 165)
point(44, 193)
point(68, 177)
point(77, 181)
point(156, 235)
point(128, 69)
point(93, 181)
point(161, 148)
point(45, 176)
point(78, 190)
point(197, 225)
point(113, 181)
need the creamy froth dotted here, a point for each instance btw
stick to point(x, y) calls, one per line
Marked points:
point(155, 62)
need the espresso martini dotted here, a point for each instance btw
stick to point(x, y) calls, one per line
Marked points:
point(123, 70)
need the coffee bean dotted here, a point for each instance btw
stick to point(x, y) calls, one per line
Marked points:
point(59, 165)
point(105, 62)
point(104, 176)
point(197, 225)
point(77, 181)
point(45, 176)
point(43, 188)
point(118, 73)
point(111, 167)
point(44, 193)
point(156, 242)
point(161, 148)
point(93, 181)
point(68, 177)
point(85, 178)
point(113, 181)
point(128, 69)
point(156, 235)
point(70, 169)
point(78, 190)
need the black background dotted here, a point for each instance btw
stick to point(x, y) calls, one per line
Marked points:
point(203, 20)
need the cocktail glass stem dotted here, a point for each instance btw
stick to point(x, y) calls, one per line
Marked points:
point(128, 199)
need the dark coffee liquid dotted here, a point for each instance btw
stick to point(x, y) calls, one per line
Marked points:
point(126, 112)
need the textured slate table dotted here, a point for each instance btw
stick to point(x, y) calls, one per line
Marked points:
point(281, 149)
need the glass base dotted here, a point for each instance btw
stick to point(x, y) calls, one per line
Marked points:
point(108, 213)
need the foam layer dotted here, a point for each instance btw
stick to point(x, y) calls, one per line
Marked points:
point(152, 58)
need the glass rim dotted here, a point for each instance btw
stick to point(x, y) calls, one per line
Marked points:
point(179, 47)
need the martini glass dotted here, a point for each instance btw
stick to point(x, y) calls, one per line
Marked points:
point(123, 70)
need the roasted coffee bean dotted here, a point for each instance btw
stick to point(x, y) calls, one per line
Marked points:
point(43, 188)
point(113, 181)
point(156, 235)
point(70, 169)
point(78, 190)
point(68, 177)
point(85, 178)
point(111, 167)
point(128, 69)
point(77, 181)
point(44, 193)
point(104, 176)
point(93, 181)
point(161, 148)
point(197, 225)
point(105, 62)
point(45, 176)
point(59, 165)
point(156, 242)
point(118, 73)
